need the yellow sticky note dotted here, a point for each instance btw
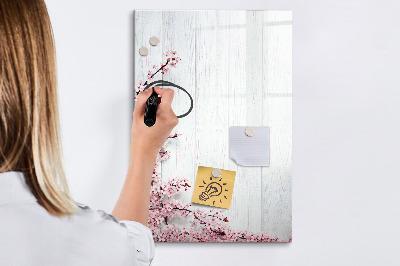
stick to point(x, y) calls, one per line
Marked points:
point(212, 191)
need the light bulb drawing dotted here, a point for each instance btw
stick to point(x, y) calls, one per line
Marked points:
point(213, 189)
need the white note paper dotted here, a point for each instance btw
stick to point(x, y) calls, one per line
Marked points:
point(249, 151)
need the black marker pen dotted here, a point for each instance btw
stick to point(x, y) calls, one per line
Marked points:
point(151, 109)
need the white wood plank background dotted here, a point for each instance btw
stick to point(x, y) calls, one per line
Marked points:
point(237, 66)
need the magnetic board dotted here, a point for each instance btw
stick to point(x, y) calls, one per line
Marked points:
point(237, 65)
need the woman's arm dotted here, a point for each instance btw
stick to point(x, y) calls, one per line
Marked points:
point(133, 202)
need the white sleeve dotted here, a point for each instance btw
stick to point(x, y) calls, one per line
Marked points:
point(140, 236)
point(142, 239)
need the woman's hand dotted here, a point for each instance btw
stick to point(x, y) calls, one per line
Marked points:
point(133, 202)
point(147, 141)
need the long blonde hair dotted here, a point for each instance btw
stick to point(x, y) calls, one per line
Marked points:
point(29, 120)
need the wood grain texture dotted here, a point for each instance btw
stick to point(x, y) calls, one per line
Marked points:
point(147, 25)
point(179, 36)
point(237, 67)
point(277, 84)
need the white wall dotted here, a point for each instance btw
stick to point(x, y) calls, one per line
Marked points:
point(346, 125)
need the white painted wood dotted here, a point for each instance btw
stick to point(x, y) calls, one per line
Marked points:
point(179, 36)
point(212, 87)
point(277, 110)
point(237, 66)
point(245, 88)
point(147, 25)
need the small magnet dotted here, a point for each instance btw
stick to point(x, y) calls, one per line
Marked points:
point(249, 131)
point(143, 51)
point(154, 41)
point(216, 173)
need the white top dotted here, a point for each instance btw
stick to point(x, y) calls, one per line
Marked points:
point(31, 236)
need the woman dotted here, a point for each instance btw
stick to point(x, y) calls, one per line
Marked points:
point(40, 224)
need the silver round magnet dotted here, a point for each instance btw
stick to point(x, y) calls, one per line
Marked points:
point(154, 41)
point(249, 131)
point(216, 173)
point(143, 51)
